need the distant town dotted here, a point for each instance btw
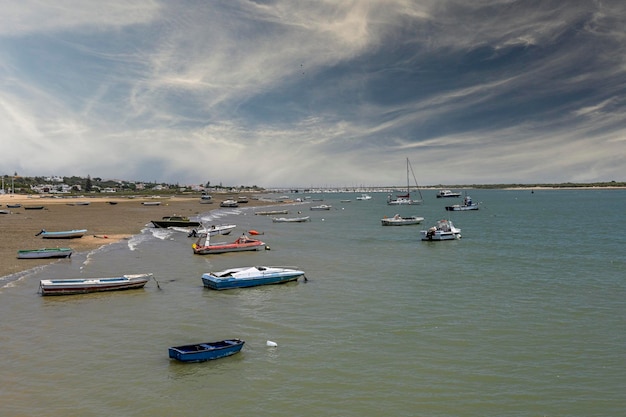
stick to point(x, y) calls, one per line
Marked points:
point(16, 184)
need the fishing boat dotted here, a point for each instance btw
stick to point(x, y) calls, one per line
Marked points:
point(447, 194)
point(175, 221)
point(88, 285)
point(271, 212)
point(229, 203)
point(291, 219)
point(202, 352)
point(467, 205)
point(213, 230)
point(44, 253)
point(398, 220)
point(250, 276)
point(363, 197)
point(203, 246)
point(64, 234)
point(443, 230)
point(321, 207)
point(405, 199)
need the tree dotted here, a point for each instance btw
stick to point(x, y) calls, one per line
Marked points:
point(88, 185)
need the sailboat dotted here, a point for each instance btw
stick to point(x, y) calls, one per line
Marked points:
point(405, 199)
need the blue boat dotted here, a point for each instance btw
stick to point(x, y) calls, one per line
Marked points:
point(249, 276)
point(206, 351)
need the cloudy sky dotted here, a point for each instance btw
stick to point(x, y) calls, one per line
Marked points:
point(314, 92)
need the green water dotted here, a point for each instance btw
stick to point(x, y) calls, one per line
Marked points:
point(524, 316)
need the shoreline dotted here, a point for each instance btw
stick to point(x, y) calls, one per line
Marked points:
point(107, 219)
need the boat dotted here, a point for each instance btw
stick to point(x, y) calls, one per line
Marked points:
point(242, 199)
point(202, 352)
point(467, 205)
point(447, 194)
point(405, 199)
point(65, 234)
point(291, 219)
point(175, 221)
point(44, 253)
point(33, 207)
point(398, 220)
point(206, 199)
point(88, 285)
point(250, 276)
point(271, 212)
point(5, 212)
point(151, 203)
point(203, 246)
point(229, 203)
point(14, 205)
point(363, 197)
point(443, 230)
point(212, 230)
point(321, 207)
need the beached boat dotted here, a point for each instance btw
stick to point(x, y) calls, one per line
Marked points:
point(250, 276)
point(229, 203)
point(202, 352)
point(203, 246)
point(5, 212)
point(206, 199)
point(175, 221)
point(291, 219)
point(443, 230)
point(87, 285)
point(271, 212)
point(14, 205)
point(321, 207)
point(34, 207)
point(405, 199)
point(64, 234)
point(467, 205)
point(151, 203)
point(398, 220)
point(447, 194)
point(44, 253)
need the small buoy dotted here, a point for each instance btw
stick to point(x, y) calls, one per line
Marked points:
point(271, 344)
point(105, 237)
point(267, 247)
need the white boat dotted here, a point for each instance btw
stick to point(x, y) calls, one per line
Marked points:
point(291, 219)
point(213, 230)
point(398, 220)
point(467, 205)
point(321, 207)
point(405, 199)
point(447, 194)
point(270, 212)
point(250, 277)
point(87, 285)
point(443, 230)
point(65, 234)
point(229, 203)
point(364, 196)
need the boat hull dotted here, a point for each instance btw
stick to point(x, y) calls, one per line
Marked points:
point(203, 352)
point(291, 219)
point(69, 234)
point(401, 221)
point(249, 277)
point(226, 248)
point(457, 207)
point(44, 253)
point(89, 285)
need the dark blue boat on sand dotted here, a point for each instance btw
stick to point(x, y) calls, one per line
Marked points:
point(206, 351)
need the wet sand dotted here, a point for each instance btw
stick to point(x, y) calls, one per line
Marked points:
point(105, 222)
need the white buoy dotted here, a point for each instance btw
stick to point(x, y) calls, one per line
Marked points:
point(271, 344)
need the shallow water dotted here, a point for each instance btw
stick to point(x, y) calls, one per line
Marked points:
point(523, 316)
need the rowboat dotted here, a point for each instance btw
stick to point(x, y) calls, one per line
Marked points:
point(249, 276)
point(44, 253)
point(270, 212)
point(202, 352)
point(398, 220)
point(33, 207)
point(243, 243)
point(291, 219)
point(151, 203)
point(175, 221)
point(87, 285)
point(65, 234)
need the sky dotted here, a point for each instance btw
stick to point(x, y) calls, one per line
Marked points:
point(314, 93)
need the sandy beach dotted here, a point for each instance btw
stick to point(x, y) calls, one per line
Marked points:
point(106, 223)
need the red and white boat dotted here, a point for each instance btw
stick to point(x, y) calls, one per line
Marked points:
point(244, 243)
